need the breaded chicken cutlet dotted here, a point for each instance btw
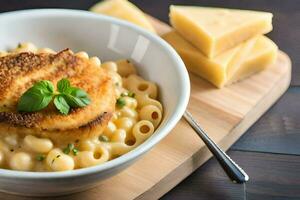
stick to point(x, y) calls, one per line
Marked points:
point(18, 72)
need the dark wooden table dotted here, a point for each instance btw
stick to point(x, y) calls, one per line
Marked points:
point(270, 150)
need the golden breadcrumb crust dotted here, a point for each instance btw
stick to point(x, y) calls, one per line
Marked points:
point(18, 72)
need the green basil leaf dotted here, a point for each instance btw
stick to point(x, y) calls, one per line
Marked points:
point(77, 98)
point(61, 104)
point(46, 87)
point(63, 85)
point(34, 99)
point(82, 95)
point(41, 94)
point(77, 92)
point(76, 102)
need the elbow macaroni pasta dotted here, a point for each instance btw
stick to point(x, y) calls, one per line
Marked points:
point(133, 121)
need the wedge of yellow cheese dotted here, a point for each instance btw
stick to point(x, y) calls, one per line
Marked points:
point(125, 10)
point(214, 30)
point(263, 54)
point(229, 66)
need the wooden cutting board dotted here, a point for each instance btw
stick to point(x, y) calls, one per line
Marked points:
point(225, 114)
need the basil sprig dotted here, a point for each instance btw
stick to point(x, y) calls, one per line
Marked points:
point(42, 93)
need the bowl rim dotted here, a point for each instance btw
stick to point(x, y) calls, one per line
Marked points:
point(150, 142)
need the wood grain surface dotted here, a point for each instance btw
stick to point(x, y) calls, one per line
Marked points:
point(205, 183)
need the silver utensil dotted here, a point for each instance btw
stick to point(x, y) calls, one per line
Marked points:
point(234, 172)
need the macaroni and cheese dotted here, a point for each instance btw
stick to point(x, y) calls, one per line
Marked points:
point(137, 114)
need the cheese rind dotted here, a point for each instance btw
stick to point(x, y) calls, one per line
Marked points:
point(125, 10)
point(229, 66)
point(215, 30)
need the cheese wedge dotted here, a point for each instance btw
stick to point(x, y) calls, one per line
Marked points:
point(214, 30)
point(263, 54)
point(125, 10)
point(224, 68)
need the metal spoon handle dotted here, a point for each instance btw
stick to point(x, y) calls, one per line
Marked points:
point(234, 172)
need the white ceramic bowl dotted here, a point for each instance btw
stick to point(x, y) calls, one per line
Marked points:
point(109, 39)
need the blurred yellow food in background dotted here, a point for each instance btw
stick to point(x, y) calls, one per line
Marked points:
point(125, 10)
